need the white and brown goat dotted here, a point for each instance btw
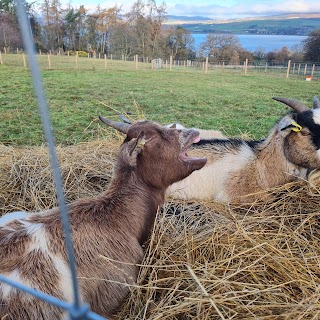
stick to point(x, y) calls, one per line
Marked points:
point(204, 133)
point(115, 224)
point(237, 168)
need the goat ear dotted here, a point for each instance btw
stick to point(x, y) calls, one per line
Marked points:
point(288, 123)
point(173, 126)
point(284, 123)
point(135, 146)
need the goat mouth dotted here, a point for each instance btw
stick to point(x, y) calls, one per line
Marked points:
point(194, 137)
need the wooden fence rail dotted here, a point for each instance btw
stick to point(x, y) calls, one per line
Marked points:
point(307, 70)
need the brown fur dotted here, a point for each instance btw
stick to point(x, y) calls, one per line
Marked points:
point(115, 225)
point(236, 169)
point(269, 169)
point(295, 143)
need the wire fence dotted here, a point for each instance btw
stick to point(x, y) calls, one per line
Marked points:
point(76, 310)
point(102, 62)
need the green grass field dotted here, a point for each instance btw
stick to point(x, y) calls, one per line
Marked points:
point(224, 100)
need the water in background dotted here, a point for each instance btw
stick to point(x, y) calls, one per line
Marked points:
point(255, 41)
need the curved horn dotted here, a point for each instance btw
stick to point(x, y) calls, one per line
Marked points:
point(124, 119)
point(295, 105)
point(122, 127)
point(316, 102)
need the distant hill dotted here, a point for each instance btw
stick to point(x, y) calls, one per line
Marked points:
point(288, 24)
point(186, 19)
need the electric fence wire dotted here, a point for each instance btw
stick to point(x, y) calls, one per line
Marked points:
point(76, 310)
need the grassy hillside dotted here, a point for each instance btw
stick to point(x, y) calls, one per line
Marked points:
point(230, 102)
point(301, 26)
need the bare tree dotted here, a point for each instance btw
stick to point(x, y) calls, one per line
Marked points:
point(106, 19)
point(141, 27)
point(179, 43)
point(312, 46)
point(52, 29)
point(146, 20)
point(9, 32)
point(220, 46)
point(81, 28)
point(283, 55)
point(244, 54)
point(157, 15)
point(122, 40)
point(298, 52)
point(259, 54)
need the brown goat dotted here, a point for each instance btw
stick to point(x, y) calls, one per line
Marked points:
point(115, 225)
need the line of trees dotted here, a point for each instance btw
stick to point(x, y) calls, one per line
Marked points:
point(139, 31)
point(227, 47)
point(108, 31)
point(308, 50)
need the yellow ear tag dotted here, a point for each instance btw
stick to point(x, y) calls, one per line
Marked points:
point(296, 127)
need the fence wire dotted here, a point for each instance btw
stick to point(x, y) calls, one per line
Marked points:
point(76, 310)
point(99, 62)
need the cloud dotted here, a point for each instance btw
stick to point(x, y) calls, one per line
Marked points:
point(250, 8)
point(91, 5)
point(216, 9)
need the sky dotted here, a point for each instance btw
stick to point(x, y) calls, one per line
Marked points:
point(228, 9)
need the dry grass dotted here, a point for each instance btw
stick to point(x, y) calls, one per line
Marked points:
point(26, 181)
point(204, 260)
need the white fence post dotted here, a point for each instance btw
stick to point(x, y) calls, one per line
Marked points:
point(49, 61)
point(24, 60)
point(288, 69)
point(246, 67)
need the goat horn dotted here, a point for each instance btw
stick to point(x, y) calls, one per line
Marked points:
point(295, 105)
point(316, 103)
point(124, 119)
point(122, 127)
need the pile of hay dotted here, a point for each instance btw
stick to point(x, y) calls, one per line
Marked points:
point(204, 260)
point(26, 181)
point(232, 262)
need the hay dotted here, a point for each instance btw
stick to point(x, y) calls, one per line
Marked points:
point(26, 181)
point(215, 262)
point(204, 260)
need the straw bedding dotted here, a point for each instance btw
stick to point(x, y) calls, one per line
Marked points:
point(26, 181)
point(204, 260)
